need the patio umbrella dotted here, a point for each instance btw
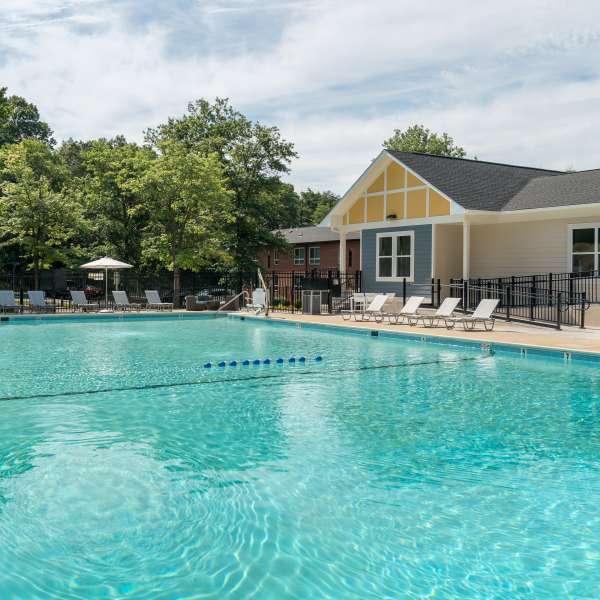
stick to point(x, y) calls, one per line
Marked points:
point(107, 264)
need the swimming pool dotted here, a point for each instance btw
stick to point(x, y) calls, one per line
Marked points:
point(393, 468)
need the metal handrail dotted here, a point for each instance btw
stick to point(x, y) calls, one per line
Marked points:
point(242, 293)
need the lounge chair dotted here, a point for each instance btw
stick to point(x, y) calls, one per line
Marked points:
point(37, 302)
point(375, 309)
point(444, 311)
point(482, 314)
point(80, 301)
point(154, 301)
point(122, 301)
point(358, 304)
point(409, 310)
point(7, 301)
point(259, 301)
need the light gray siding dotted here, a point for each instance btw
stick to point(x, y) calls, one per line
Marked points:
point(369, 258)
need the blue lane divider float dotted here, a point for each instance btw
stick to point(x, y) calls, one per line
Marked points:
point(257, 361)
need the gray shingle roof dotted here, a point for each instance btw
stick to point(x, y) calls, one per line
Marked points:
point(480, 185)
point(309, 235)
point(565, 190)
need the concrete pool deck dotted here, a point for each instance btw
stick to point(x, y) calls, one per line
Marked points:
point(519, 334)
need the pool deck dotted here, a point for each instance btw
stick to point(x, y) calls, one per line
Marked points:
point(519, 334)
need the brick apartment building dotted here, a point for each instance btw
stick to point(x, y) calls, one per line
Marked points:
point(312, 248)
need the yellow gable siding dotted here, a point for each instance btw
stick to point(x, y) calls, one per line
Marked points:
point(395, 205)
point(378, 203)
point(377, 185)
point(395, 177)
point(414, 181)
point(438, 205)
point(416, 204)
point(357, 213)
point(375, 208)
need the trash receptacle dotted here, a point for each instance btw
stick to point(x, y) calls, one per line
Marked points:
point(312, 300)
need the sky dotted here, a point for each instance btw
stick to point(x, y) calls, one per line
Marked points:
point(511, 81)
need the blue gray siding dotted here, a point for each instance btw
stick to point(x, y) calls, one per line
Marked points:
point(369, 257)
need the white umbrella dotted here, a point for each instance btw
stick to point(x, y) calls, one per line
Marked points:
point(106, 263)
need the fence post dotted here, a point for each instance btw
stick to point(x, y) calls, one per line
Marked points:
point(439, 292)
point(571, 285)
point(550, 281)
point(432, 292)
point(583, 303)
point(465, 291)
point(558, 310)
point(293, 294)
point(404, 291)
point(508, 293)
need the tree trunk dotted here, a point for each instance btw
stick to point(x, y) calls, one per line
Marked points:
point(176, 286)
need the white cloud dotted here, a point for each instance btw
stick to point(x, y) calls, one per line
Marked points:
point(512, 81)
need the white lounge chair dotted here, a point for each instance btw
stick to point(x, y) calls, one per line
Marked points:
point(37, 302)
point(482, 314)
point(259, 301)
point(375, 309)
point(122, 301)
point(358, 304)
point(154, 301)
point(444, 311)
point(80, 301)
point(7, 301)
point(409, 310)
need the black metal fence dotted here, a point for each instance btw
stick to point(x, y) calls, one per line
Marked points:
point(520, 302)
point(57, 283)
point(571, 285)
point(285, 288)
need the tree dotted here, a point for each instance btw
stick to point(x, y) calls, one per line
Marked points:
point(254, 158)
point(419, 139)
point(189, 208)
point(108, 171)
point(20, 120)
point(318, 204)
point(35, 213)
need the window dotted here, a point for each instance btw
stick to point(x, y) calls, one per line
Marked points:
point(269, 260)
point(395, 258)
point(275, 256)
point(298, 256)
point(314, 255)
point(584, 248)
point(350, 258)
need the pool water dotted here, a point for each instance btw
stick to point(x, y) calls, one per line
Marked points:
point(392, 469)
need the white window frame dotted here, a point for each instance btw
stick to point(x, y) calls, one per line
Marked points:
point(395, 235)
point(596, 253)
point(311, 261)
point(298, 261)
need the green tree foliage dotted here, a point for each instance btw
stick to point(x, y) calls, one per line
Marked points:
point(254, 157)
point(189, 209)
point(106, 173)
point(35, 212)
point(316, 205)
point(420, 139)
point(20, 120)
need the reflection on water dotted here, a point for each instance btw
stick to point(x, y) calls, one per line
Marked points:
point(451, 474)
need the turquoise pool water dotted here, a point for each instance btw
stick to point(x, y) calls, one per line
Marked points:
point(393, 469)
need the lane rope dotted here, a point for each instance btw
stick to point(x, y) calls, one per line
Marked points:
point(155, 386)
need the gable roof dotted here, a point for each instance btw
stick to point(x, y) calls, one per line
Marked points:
point(481, 185)
point(310, 235)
